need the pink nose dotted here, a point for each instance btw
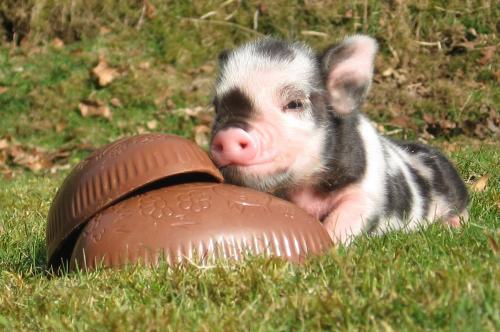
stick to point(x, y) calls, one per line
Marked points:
point(233, 146)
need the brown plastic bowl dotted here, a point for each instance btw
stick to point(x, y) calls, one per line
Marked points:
point(199, 222)
point(113, 172)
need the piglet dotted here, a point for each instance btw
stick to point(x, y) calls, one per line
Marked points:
point(288, 122)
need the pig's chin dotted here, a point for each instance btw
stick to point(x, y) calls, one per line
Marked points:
point(244, 176)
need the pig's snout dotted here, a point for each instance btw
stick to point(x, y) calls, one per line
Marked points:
point(233, 146)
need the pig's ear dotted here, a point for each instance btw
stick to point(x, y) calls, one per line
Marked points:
point(348, 71)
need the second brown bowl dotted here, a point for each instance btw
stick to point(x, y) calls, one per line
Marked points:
point(199, 222)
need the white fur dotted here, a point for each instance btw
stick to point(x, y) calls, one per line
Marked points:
point(246, 67)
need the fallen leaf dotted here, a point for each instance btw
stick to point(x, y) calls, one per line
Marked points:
point(493, 244)
point(104, 30)
point(263, 9)
point(3, 89)
point(480, 184)
point(60, 126)
point(31, 159)
point(152, 124)
point(164, 98)
point(3, 158)
point(57, 43)
point(4, 144)
point(488, 53)
point(388, 72)
point(199, 84)
point(90, 108)
point(418, 90)
point(403, 121)
point(116, 102)
point(450, 147)
point(492, 126)
point(202, 135)
point(144, 65)
point(204, 115)
point(104, 73)
point(207, 68)
point(150, 9)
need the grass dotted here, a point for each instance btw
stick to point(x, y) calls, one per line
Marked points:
point(434, 279)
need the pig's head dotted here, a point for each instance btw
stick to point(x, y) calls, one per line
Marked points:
point(274, 102)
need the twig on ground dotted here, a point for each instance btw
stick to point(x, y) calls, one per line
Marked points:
point(314, 33)
point(256, 20)
point(141, 18)
point(424, 43)
point(207, 15)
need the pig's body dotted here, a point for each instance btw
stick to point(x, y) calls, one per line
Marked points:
point(289, 123)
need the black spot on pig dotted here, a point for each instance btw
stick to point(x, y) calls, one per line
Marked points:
point(398, 195)
point(424, 189)
point(234, 103)
point(233, 109)
point(445, 179)
point(275, 49)
point(334, 55)
point(344, 154)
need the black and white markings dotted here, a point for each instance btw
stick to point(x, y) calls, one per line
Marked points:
point(300, 114)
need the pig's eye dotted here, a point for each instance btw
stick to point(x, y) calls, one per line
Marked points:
point(294, 105)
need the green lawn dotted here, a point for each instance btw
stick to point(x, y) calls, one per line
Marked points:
point(433, 279)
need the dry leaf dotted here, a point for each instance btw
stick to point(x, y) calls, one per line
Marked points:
point(34, 160)
point(451, 147)
point(144, 65)
point(202, 135)
point(116, 102)
point(104, 30)
point(152, 124)
point(488, 53)
point(4, 144)
point(60, 126)
point(3, 89)
point(493, 244)
point(150, 9)
point(94, 108)
point(57, 43)
point(388, 72)
point(207, 68)
point(480, 184)
point(104, 73)
point(263, 9)
point(403, 121)
point(204, 115)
